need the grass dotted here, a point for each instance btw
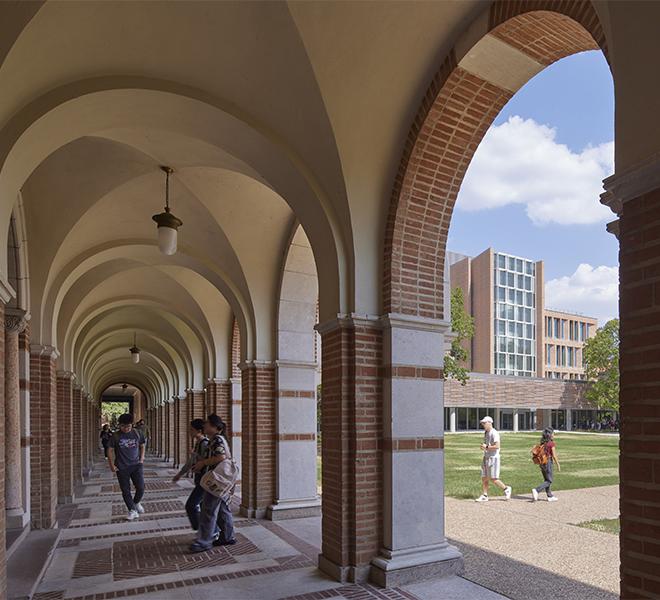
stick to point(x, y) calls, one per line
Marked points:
point(605, 525)
point(587, 460)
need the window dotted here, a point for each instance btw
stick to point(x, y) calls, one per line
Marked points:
point(501, 261)
point(510, 280)
point(512, 263)
point(529, 332)
point(519, 265)
point(501, 294)
point(528, 284)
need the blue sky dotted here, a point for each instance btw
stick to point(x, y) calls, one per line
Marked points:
point(532, 188)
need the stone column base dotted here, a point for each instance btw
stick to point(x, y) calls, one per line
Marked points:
point(16, 518)
point(397, 568)
point(344, 574)
point(294, 509)
point(252, 513)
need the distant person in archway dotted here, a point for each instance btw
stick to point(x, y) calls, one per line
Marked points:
point(490, 467)
point(105, 436)
point(141, 426)
point(545, 457)
point(216, 520)
point(126, 458)
point(199, 452)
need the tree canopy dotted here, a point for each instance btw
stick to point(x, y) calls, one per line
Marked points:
point(462, 326)
point(601, 364)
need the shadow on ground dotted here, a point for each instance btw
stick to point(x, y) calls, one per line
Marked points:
point(521, 581)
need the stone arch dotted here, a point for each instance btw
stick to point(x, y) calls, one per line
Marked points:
point(460, 104)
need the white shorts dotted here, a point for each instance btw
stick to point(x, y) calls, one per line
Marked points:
point(490, 467)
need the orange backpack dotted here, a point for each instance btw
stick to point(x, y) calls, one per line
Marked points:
point(539, 455)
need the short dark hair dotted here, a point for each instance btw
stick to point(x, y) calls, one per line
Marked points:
point(217, 422)
point(126, 419)
point(197, 424)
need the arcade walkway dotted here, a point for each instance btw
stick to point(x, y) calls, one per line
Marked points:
point(99, 555)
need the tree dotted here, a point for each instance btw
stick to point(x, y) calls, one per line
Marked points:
point(601, 364)
point(462, 325)
point(111, 411)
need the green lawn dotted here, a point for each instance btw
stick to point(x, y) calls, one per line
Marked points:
point(605, 525)
point(588, 460)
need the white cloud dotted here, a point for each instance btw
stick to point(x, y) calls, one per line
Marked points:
point(593, 291)
point(519, 162)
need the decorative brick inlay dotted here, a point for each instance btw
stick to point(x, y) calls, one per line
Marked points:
point(81, 513)
point(295, 437)
point(48, 596)
point(152, 507)
point(297, 394)
point(93, 562)
point(357, 591)
point(409, 372)
point(148, 486)
point(416, 444)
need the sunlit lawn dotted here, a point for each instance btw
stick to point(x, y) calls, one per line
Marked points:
point(586, 461)
point(605, 525)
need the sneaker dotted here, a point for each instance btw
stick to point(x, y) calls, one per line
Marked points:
point(216, 536)
point(223, 543)
point(140, 508)
point(197, 547)
point(482, 498)
point(553, 499)
point(507, 492)
point(132, 515)
point(535, 495)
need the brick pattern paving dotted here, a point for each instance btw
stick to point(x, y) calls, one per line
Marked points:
point(356, 592)
point(93, 562)
point(81, 513)
point(151, 507)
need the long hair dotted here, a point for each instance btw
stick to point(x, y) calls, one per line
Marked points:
point(546, 436)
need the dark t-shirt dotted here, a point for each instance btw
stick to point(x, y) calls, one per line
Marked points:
point(127, 448)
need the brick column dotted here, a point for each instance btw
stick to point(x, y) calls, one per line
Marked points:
point(170, 430)
point(65, 423)
point(218, 401)
point(77, 440)
point(196, 405)
point(351, 426)
point(160, 412)
point(296, 493)
point(43, 426)
point(15, 323)
point(236, 410)
point(413, 540)
point(258, 452)
point(635, 196)
point(24, 387)
point(181, 437)
point(4, 297)
point(84, 433)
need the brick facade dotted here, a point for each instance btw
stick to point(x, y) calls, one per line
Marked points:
point(43, 427)
point(181, 437)
point(77, 441)
point(258, 448)
point(3, 528)
point(218, 401)
point(351, 445)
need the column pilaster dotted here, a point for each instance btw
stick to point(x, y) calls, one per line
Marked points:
point(15, 324)
point(296, 493)
point(236, 410)
point(77, 442)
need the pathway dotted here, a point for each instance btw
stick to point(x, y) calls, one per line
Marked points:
point(99, 555)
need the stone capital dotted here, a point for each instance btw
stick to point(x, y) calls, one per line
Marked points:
point(15, 320)
point(44, 350)
point(631, 183)
point(216, 381)
point(348, 321)
point(66, 375)
point(256, 364)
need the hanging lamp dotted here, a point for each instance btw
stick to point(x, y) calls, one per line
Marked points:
point(166, 221)
point(135, 351)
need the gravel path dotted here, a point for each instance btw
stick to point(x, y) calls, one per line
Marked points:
point(535, 548)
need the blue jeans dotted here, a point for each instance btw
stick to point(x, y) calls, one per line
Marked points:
point(216, 515)
point(546, 470)
point(135, 474)
point(193, 505)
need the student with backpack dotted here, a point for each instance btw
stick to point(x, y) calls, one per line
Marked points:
point(126, 458)
point(544, 454)
point(216, 520)
point(201, 443)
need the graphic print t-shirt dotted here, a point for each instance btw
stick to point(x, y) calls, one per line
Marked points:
point(127, 448)
point(491, 438)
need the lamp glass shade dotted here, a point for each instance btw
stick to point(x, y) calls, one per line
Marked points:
point(167, 240)
point(135, 357)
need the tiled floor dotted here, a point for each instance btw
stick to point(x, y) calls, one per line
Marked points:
point(101, 555)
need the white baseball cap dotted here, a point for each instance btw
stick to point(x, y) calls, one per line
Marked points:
point(486, 420)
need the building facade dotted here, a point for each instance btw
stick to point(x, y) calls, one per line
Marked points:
point(517, 346)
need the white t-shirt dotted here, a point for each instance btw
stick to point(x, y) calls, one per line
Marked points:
point(491, 438)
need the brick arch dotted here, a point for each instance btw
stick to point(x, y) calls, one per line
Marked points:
point(455, 113)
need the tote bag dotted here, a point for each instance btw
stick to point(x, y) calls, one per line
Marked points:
point(221, 481)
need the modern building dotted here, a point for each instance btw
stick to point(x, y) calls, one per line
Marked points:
point(516, 339)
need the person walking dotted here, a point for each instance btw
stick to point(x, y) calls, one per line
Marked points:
point(490, 466)
point(216, 519)
point(199, 452)
point(144, 430)
point(126, 459)
point(105, 436)
point(546, 456)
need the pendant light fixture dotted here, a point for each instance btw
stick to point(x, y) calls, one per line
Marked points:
point(166, 221)
point(135, 351)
